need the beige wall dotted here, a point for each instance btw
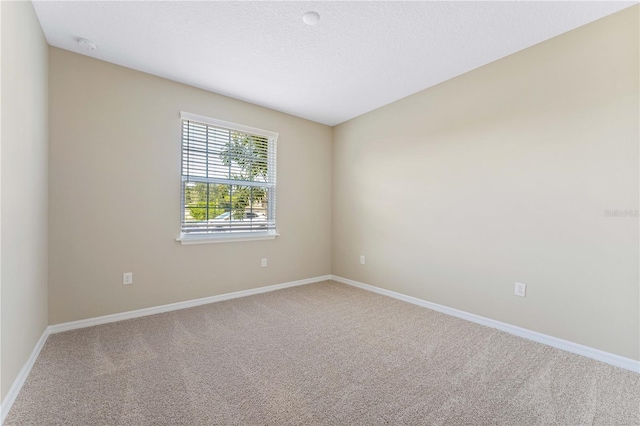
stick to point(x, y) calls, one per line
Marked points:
point(24, 187)
point(502, 175)
point(115, 194)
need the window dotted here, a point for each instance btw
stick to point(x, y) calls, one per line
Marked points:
point(228, 181)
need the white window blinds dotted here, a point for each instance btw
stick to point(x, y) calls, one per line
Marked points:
point(228, 179)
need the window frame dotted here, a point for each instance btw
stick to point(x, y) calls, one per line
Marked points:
point(211, 237)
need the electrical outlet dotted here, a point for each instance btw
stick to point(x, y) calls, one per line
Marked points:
point(264, 262)
point(127, 278)
point(520, 290)
point(362, 260)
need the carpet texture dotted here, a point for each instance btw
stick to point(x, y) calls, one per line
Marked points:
point(323, 353)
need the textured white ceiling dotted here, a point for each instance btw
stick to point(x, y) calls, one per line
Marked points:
point(360, 56)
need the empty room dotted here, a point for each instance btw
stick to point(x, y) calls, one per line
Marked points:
point(337, 213)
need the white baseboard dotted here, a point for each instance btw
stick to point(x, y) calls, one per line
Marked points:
point(57, 328)
point(10, 398)
point(565, 345)
point(606, 357)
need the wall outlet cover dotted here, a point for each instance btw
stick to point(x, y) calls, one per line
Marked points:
point(127, 278)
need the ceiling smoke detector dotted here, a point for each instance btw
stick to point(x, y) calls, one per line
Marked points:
point(311, 18)
point(87, 44)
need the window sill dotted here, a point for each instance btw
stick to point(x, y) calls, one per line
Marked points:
point(209, 239)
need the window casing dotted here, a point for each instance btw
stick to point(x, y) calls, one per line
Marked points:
point(228, 190)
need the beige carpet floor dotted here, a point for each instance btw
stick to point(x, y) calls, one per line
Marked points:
point(322, 353)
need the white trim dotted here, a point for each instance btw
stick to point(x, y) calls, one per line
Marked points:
point(5, 407)
point(228, 125)
point(190, 178)
point(270, 184)
point(606, 357)
point(90, 322)
point(565, 345)
point(186, 239)
point(10, 398)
